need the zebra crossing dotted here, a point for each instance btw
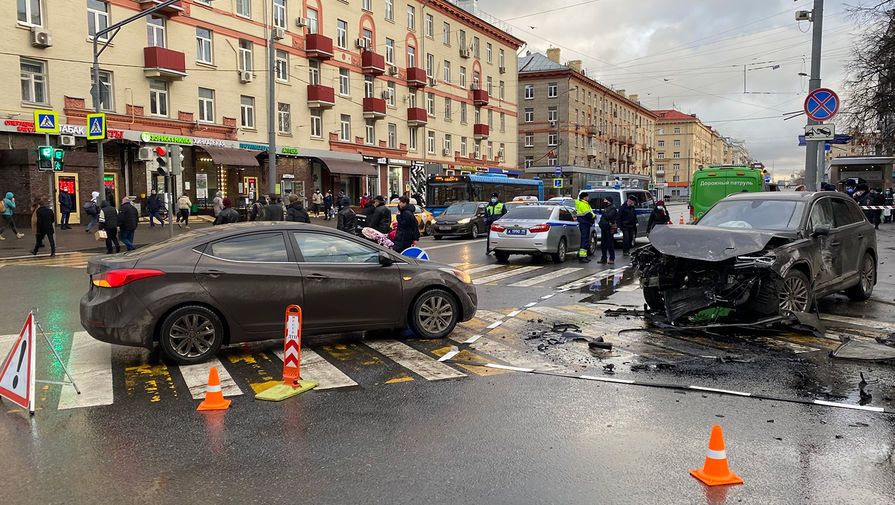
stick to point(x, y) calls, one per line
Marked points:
point(528, 276)
point(61, 260)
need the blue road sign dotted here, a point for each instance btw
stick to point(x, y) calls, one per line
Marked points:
point(618, 186)
point(557, 183)
point(557, 170)
point(821, 104)
point(46, 121)
point(96, 126)
point(415, 252)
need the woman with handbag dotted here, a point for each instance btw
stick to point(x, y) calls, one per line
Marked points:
point(108, 227)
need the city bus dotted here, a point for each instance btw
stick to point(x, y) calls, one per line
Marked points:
point(443, 190)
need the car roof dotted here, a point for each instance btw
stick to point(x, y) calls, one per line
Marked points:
point(789, 196)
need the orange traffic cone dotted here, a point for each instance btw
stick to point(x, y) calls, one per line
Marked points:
point(214, 397)
point(682, 219)
point(715, 471)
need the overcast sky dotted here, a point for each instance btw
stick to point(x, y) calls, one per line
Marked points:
point(689, 54)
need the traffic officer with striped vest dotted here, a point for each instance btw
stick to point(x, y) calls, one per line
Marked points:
point(494, 211)
point(586, 219)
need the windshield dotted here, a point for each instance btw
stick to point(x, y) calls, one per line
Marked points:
point(529, 212)
point(462, 208)
point(757, 214)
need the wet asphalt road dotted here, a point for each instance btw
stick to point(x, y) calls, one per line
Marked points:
point(489, 437)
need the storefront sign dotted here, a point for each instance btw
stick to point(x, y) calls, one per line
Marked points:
point(208, 142)
point(64, 129)
point(164, 139)
point(201, 185)
point(252, 147)
point(290, 150)
point(399, 163)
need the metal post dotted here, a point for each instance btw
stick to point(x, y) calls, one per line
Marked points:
point(50, 174)
point(170, 178)
point(271, 112)
point(814, 149)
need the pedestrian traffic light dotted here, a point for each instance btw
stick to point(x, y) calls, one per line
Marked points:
point(176, 154)
point(58, 160)
point(161, 160)
point(45, 158)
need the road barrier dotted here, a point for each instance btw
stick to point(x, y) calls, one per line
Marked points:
point(292, 384)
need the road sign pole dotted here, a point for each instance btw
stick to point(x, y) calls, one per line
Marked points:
point(814, 149)
point(51, 180)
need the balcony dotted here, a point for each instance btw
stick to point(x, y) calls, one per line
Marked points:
point(318, 46)
point(321, 96)
point(612, 158)
point(479, 97)
point(374, 108)
point(372, 63)
point(660, 171)
point(417, 116)
point(416, 77)
point(164, 63)
point(171, 10)
point(630, 141)
point(592, 130)
point(480, 131)
point(592, 152)
point(613, 139)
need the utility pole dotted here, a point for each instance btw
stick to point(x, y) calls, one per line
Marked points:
point(271, 109)
point(814, 150)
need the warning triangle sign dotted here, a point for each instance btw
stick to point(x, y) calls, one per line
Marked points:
point(47, 122)
point(17, 377)
point(96, 126)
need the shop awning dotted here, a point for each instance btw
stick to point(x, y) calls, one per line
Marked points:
point(348, 167)
point(232, 157)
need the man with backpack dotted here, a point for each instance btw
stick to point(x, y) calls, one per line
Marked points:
point(7, 205)
point(92, 210)
point(259, 209)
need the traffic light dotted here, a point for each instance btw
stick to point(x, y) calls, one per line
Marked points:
point(58, 160)
point(162, 162)
point(176, 155)
point(45, 158)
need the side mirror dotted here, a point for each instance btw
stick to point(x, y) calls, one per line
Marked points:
point(822, 230)
point(385, 260)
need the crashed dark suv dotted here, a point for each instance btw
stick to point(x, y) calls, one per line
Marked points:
point(760, 254)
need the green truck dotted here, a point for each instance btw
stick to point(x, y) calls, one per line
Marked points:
point(715, 182)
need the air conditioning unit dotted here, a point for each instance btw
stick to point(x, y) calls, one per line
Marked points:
point(433, 81)
point(464, 53)
point(146, 154)
point(245, 76)
point(445, 152)
point(502, 70)
point(302, 22)
point(360, 43)
point(385, 95)
point(392, 70)
point(279, 33)
point(475, 86)
point(40, 37)
point(67, 140)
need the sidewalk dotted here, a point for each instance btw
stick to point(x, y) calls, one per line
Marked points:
point(77, 240)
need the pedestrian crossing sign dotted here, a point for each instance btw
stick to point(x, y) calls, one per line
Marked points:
point(96, 126)
point(46, 121)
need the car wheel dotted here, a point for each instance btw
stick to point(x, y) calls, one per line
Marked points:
point(191, 334)
point(561, 251)
point(474, 231)
point(593, 244)
point(653, 298)
point(434, 314)
point(502, 257)
point(436, 237)
point(794, 293)
point(427, 230)
point(867, 278)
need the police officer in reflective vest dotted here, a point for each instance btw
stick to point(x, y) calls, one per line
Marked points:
point(494, 211)
point(586, 219)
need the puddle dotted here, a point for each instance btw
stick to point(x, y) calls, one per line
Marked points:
point(608, 286)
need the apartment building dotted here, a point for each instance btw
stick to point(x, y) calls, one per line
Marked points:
point(370, 95)
point(597, 135)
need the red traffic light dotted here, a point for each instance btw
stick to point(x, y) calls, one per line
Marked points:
point(161, 151)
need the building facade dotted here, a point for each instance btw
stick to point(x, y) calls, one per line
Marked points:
point(369, 95)
point(598, 136)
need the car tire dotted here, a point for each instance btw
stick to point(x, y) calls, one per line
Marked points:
point(436, 237)
point(184, 334)
point(561, 251)
point(427, 230)
point(794, 292)
point(502, 257)
point(866, 280)
point(653, 298)
point(592, 249)
point(434, 314)
point(474, 231)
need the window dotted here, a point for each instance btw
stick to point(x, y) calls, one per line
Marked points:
point(661, 143)
point(552, 90)
point(389, 51)
point(314, 72)
point(414, 131)
point(503, 121)
point(845, 214)
point(430, 65)
point(245, 55)
point(447, 71)
point(105, 90)
point(256, 247)
point(821, 214)
point(490, 118)
point(551, 139)
point(411, 17)
point(430, 25)
point(661, 131)
point(463, 116)
point(247, 112)
point(529, 161)
point(318, 248)
point(475, 78)
point(34, 81)
point(447, 109)
point(367, 35)
point(475, 47)
point(447, 143)
point(551, 161)
point(677, 142)
point(390, 10)
point(206, 105)
point(488, 52)
point(282, 66)
point(203, 45)
point(462, 77)
point(676, 154)
point(344, 82)
point(529, 91)
point(430, 142)
point(342, 34)
point(501, 90)
point(490, 150)
point(551, 114)
point(313, 25)
point(446, 34)
point(430, 103)
point(316, 123)
point(279, 13)
point(370, 131)
point(97, 17)
point(366, 5)
point(390, 86)
point(463, 146)
point(660, 156)
point(345, 128)
point(392, 136)
point(155, 31)
point(158, 98)
point(411, 56)
point(677, 130)
point(368, 86)
point(489, 85)
point(461, 35)
point(529, 115)
point(284, 118)
point(529, 140)
point(244, 8)
point(28, 12)
point(500, 58)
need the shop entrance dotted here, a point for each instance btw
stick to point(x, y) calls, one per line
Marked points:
point(69, 181)
point(110, 185)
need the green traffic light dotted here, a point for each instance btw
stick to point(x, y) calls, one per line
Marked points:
point(58, 154)
point(46, 152)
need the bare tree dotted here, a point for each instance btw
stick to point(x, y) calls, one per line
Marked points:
point(870, 84)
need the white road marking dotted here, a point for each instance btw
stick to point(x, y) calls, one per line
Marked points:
point(484, 268)
point(90, 364)
point(513, 368)
point(504, 275)
point(315, 368)
point(196, 378)
point(605, 379)
point(6, 343)
point(450, 354)
point(545, 277)
point(724, 391)
point(514, 313)
point(532, 304)
point(495, 324)
point(415, 361)
point(471, 339)
point(465, 242)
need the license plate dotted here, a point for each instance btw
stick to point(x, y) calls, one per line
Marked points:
point(444, 227)
point(517, 232)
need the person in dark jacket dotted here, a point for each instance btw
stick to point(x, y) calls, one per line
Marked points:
point(296, 212)
point(494, 211)
point(108, 221)
point(44, 227)
point(659, 215)
point(328, 205)
point(275, 210)
point(347, 220)
point(408, 230)
point(153, 206)
point(627, 221)
point(228, 214)
point(66, 206)
point(608, 219)
point(381, 218)
point(864, 198)
point(259, 209)
point(128, 217)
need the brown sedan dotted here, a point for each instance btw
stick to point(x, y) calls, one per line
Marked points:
point(230, 284)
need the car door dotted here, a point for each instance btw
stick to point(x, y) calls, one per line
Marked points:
point(644, 209)
point(252, 279)
point(849, 232)
point(570, 228)
point(827, 265)
point(479, 217)
point(345, 286)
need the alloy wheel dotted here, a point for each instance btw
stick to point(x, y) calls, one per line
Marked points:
point(794, 296)
point(435, 314)
point(192, 335)
point(868, 274)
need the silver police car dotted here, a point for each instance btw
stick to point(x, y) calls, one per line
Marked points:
point(535, 230)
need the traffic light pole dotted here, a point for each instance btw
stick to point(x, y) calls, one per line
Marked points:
point(814, 166)
point(51, 181)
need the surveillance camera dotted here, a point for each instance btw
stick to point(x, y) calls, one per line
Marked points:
point(803, 15)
